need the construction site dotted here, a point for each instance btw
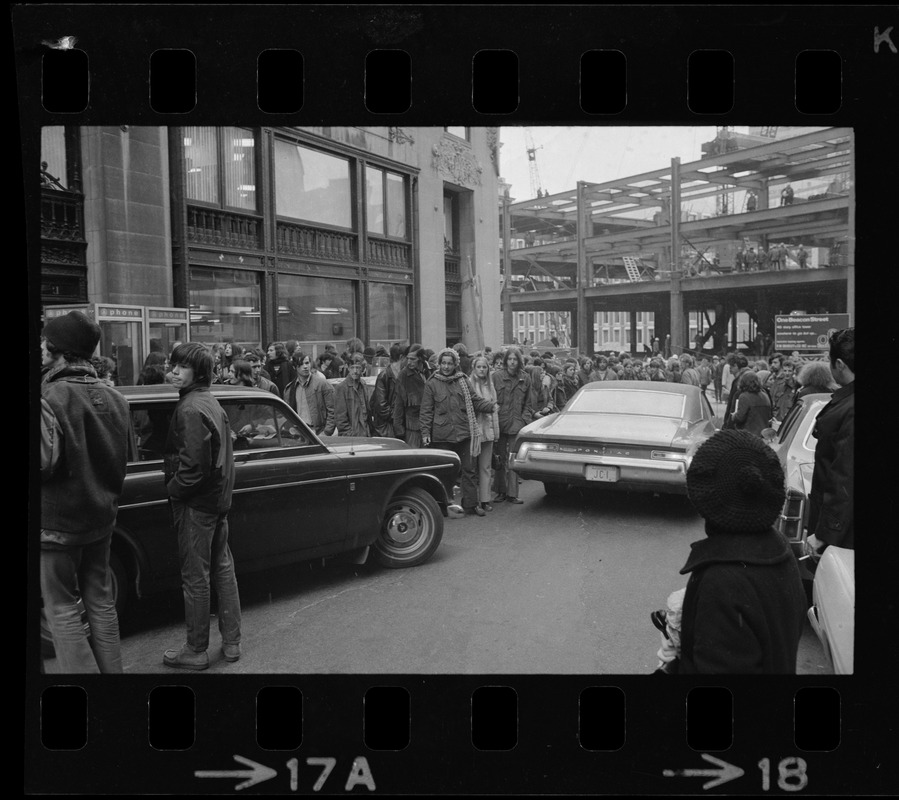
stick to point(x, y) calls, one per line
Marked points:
point(700, 256)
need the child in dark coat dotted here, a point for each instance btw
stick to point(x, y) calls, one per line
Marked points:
point(744, 604)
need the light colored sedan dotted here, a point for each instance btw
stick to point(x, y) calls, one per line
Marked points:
point(619, 435)
point(833, 607)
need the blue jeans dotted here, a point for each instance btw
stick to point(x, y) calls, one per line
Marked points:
point(67, 570)
point(206, 558)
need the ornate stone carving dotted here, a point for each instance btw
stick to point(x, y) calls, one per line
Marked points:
point(493, 144)
point(456, 161)
point(399, 136)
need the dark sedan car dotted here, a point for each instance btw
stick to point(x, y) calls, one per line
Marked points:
point(296, 497)
point(617, 434)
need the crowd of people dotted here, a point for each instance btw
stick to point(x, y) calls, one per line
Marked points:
point(472, 404)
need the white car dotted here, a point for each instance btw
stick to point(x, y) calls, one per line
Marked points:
point(833, 607)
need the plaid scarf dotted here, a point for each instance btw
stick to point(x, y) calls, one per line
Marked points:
point(473, 427)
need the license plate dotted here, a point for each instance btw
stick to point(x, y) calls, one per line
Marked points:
point(608, 474)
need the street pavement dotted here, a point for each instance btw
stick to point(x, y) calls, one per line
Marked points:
point(552, 586)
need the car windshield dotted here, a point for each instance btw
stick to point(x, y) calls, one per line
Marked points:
point(644, 404)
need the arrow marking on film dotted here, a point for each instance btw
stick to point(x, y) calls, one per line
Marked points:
point(256, 774)
point(722, 774)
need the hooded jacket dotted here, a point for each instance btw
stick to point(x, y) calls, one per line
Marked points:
point(199, 458)
point(744, 608)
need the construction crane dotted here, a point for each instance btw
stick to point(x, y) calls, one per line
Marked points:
point(536, 184)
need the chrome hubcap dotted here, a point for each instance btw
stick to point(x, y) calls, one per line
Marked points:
point(403, 526)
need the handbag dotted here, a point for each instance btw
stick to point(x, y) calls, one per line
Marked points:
point(496, 460)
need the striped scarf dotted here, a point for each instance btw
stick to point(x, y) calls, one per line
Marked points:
point(474, 427)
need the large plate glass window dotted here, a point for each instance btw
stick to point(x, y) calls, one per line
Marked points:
point(220, 166)
point(385, 203)
point(225, 306)
point(317, 310)
point(313, 186)
point(388, 314)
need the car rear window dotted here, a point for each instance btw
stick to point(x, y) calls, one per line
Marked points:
point(644, 404)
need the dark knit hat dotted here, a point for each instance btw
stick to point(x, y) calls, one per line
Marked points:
point(736, 482)
point(75, 333)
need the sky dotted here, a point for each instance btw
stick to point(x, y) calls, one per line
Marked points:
point(566, 155)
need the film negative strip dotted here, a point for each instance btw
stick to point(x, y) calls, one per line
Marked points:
point(392, 689)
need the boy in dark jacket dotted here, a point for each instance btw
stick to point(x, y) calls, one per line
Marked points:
point(199, 475)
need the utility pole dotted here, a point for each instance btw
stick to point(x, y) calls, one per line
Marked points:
point(506, 293)
point(676, 297)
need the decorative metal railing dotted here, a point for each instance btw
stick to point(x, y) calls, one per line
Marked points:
point(303, 240)
point(62, 215)
point(224, 228)
point(385, 253)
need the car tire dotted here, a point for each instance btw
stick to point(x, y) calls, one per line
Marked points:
point(119, 592)
point(554, 489)
point(411, 529)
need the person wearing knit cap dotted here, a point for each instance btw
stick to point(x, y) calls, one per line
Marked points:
point(744, 605)
point(86, 436)
point(449, 420)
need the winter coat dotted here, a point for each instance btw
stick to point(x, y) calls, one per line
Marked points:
point(86, 434)
point(732, 396)
point(691, 376)
point(565, 389)
point(281, 371)
point(443, 414)
point(608, 374)
point(410, 387)
point(382, 401)
point(351, 409)
point(264, 383)
point(744, 608)
point(319, 398)
point(831, 496)
point(515, 400)
point(199, 458)
point(781, 390)
point(753, 412)
point(488, 420)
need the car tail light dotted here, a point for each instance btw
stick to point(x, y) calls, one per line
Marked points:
point(668, 455)
point(526, 447)
point(791, 521)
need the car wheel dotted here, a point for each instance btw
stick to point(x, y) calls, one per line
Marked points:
point(119, 592)
point(555, 489)
point(410, 531)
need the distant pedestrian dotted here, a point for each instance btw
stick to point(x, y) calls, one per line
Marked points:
point(739, 366)
point(802, 257)
point(705, 374)
point(311, 396)
point(786, 195)
point(385, 393)
point(753, 410)
point(515, 400)
point(410, 387)
point(718, 377)
point(279, 367)
point(489, 421)
point(259, 380)
point(449, 421)
point(199, 475)
point(86, 435)
point(352, 412)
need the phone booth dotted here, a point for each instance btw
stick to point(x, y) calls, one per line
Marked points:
point(122, 338)
point(128, 333)
point(166, 327)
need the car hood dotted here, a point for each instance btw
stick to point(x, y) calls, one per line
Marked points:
point(613, 428)
point(345, 444)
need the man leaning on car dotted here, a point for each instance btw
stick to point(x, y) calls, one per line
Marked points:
point(831, 496)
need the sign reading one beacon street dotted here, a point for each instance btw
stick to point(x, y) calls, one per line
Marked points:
point(806, 332)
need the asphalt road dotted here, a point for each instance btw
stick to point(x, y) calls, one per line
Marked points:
point(552, 586)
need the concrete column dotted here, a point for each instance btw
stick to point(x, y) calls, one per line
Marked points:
point(584, 339)
point(676, 298)
point(507, 271)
